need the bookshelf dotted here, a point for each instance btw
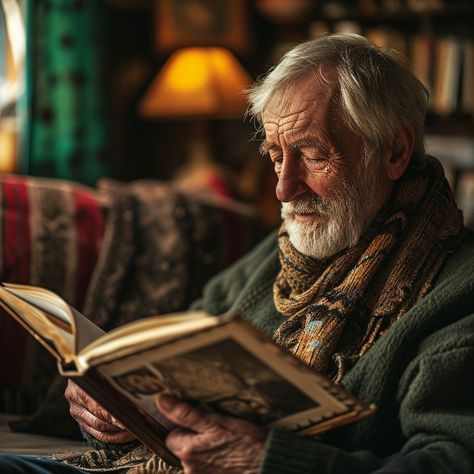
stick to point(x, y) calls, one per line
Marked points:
point(437, 37)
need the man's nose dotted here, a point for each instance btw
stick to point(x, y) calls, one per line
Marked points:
point(291, 183)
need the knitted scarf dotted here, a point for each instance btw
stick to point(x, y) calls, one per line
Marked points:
point(336, 308)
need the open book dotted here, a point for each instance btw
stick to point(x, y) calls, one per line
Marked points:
point(221, 364)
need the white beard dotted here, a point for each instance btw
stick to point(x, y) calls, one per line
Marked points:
point(345, 216)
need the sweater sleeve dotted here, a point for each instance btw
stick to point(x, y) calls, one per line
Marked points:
point(436, 413)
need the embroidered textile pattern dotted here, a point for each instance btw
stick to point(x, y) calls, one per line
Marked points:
point(138, 460)
point(338, 307)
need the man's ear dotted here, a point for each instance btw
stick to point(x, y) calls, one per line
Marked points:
point(398, 152)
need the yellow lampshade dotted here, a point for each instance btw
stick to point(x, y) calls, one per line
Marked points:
point(197, 82)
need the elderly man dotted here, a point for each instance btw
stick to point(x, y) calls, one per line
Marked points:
point(369, 278)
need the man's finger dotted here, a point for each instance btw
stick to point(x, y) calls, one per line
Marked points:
point(185, 415)
point(78, 398)
point(75, 393)
point(99, 429)
point(179, 441)
point(108, 437)
point(85, 417)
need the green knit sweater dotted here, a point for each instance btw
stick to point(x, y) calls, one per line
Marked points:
point(420, 374)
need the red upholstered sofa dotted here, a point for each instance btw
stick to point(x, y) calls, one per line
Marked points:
point(117, 253)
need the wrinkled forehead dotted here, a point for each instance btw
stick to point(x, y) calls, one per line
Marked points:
point(317, 89)
point(305, 105)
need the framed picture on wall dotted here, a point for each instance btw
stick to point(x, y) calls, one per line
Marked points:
point(184, 23)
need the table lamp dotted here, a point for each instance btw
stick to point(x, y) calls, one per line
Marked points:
point(197, 84)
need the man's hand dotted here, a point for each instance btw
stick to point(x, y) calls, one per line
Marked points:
point(210, 443)
point(92, 418)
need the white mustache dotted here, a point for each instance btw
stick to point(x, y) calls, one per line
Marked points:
point(307, 204)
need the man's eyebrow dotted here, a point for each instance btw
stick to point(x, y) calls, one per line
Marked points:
point(305, 142)
point(265, 147)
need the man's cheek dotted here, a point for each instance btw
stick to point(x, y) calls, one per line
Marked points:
point(324, 183)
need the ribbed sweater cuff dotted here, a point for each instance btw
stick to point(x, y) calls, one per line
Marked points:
point(289, 453)
point(96, 444)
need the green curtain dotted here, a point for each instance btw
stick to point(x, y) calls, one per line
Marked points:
point(3, 46)
point(68, 133)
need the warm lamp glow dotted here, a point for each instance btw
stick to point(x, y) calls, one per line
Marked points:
point(8, 140)
point(197, 82)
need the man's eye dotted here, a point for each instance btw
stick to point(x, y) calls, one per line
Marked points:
point(315, 160)
point(276, 157)
point(277, 163)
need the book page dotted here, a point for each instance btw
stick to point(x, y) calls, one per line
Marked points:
point(47, 301)
point(142, 333)
point(55, 331)
point(87, 331)
point(232, 371)
point(72, 326)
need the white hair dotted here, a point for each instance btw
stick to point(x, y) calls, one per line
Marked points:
point(378, 94)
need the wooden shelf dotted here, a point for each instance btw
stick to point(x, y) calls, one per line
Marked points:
point(462, 8)
point(454, 124)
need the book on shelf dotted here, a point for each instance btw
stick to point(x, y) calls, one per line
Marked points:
point(467, 100)
point(445, 65)
point(447, 78)
point(420, 6)
point(421, 58)
point(221, 364)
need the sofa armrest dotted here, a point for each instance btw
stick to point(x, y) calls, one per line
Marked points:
point(50, 236)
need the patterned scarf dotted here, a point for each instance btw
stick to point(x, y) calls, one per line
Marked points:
point(336, 308)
